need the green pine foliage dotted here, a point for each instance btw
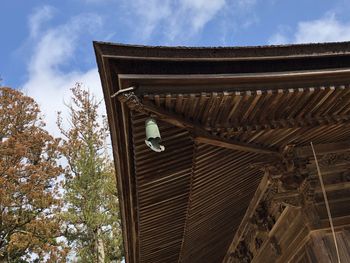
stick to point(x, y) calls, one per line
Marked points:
point(92, 219)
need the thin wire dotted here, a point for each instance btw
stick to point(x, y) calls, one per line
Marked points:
point(326, 202)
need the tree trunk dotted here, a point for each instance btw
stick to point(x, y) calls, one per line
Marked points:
point(100, 247)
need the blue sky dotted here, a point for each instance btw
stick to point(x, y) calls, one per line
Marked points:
point(46, 46)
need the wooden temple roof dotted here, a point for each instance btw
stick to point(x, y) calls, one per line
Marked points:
point(224, 114)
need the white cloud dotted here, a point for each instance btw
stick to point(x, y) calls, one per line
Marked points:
point(201, 11)
point(36, 20)
point(326, 29)
point(47, 83)
point(323, 30)
point(180, 20)
point(150, 14)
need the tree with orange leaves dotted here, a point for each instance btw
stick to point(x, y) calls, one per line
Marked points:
point(29, 196)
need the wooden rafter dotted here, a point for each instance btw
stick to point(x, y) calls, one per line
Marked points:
point(283, 124)
point(267, 97)
point(263, 186)
point(199, 134)
point(256, 110)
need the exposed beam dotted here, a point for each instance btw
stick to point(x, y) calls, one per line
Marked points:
point(150, 83)
point(321, 149)
point(239, 76)
point(264, 123)
point(200, 135)
point(119, 92)
point(207, 138)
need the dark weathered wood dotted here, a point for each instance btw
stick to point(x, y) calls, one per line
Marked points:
point(264, 184)
point(200, 135)
point(220, 110)
point(205, 137)
point(193, 82)
point(242, 114)
point(321, 247)
point(321, 149)
point(329, 169)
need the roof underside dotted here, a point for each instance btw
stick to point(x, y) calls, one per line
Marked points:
point(219, 111)
point(218, 180)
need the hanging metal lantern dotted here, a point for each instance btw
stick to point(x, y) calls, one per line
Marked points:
point(153, 138)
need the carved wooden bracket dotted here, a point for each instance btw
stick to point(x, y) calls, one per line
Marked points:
point(262, 219)
point(292, 183)
point(335, 158)
point(131, 100)
point(242, 253)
